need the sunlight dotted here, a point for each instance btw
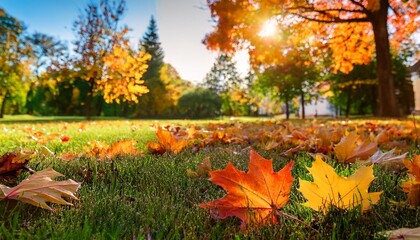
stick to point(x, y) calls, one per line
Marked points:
point(269, 28)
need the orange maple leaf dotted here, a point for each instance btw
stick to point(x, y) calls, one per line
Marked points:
point(412, 185)
point(123, 147)
point(254, 197)
point(166, 143)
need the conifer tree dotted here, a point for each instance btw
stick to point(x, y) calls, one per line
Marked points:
point(153, 103)
point(222, 76)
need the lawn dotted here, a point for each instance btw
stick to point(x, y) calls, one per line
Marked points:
point(150, 196)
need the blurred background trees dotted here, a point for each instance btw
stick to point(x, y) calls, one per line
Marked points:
point(296, 60)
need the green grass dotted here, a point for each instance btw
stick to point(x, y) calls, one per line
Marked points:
point(151, 197)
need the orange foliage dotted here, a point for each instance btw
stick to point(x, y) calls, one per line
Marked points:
point(349, 37)
point(254, 197)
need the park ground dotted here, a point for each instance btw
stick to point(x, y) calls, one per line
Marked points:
point(142, 195)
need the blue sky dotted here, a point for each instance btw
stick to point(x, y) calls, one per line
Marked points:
point(182, 26)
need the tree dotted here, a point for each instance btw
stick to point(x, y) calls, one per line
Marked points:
point(200, 103)
point(14, 65)
point(153, 103)
point(224, 80)
point(349, 28)
point(355, 91)
point(47, 53)
point(175, 86)
point(97, 32)
point(222, 76)
point(124, 69)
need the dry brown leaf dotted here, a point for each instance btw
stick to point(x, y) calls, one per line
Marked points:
point(402, 233)
point(40, 188)
point(347, 150)
point(203, 169)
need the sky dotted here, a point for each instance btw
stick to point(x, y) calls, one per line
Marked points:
point(182, 25)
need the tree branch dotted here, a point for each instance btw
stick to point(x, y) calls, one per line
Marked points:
point(364, 9)
point(332, 20)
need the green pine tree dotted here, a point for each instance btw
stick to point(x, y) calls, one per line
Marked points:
point(153, 103)
point(223, 75)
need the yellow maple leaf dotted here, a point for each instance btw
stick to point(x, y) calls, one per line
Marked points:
point(330, 189)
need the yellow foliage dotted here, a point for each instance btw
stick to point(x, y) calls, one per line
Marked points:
point(123, 72)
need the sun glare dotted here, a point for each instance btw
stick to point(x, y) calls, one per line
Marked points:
point(269, 28)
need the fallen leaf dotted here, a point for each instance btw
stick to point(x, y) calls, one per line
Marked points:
point(347, 150)
point(40, 188)
point(65, 138)
point(68, 156)
point(12, 163)
point(412, 185)
point(254, 197)
point(382, 157)
point(402, 233)
point(97, 149)
point(123, 147)
point(46, 152)
point(166, 143)
point(203, 169)
point(330, 189)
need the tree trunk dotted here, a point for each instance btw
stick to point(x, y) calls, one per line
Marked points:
point(99, 107)
point(302, 102)
point(348, 104)
point(89, 100)
point(287, 110)
point(3, 104)
point(387, 101)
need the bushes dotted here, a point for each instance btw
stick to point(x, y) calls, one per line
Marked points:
point(199, 103)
